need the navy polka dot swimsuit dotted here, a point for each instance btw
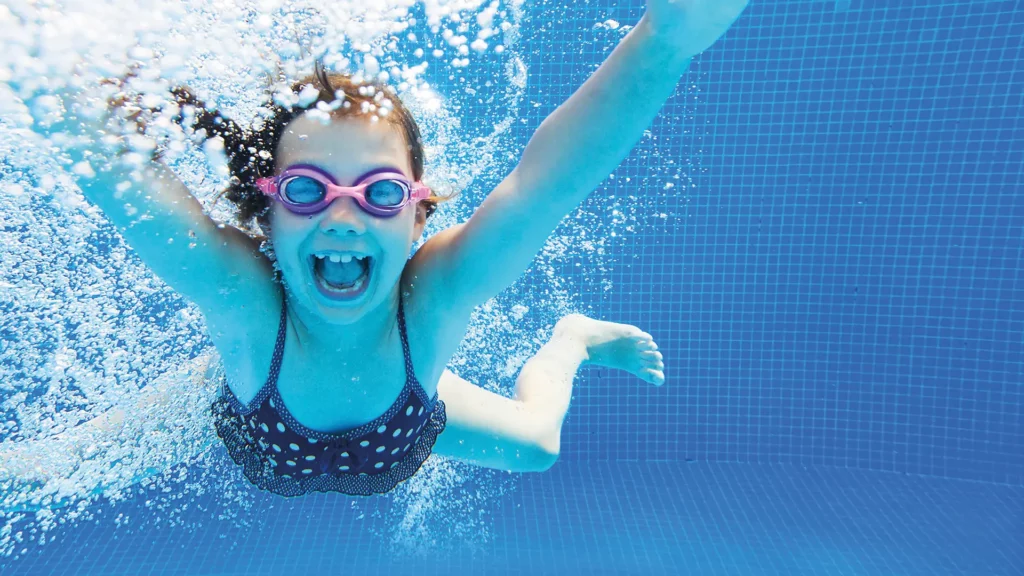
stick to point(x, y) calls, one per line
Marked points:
point(280, 455)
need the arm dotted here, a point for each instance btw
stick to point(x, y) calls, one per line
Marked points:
point(575, 148)
point(167, 227)
point(490, 430)
point(152, 209)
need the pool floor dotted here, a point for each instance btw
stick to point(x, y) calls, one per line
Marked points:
point(599, 519)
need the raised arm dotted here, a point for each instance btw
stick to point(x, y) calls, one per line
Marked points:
point(574, 149)
point(166, 226)
point(154, 212)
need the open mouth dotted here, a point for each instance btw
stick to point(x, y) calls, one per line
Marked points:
point(341, 275)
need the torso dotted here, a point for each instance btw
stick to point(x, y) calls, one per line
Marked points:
point(356, 387)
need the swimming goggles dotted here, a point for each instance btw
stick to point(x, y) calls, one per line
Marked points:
point(305, 189)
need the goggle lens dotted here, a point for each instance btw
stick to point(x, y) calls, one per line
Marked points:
point(309, 190)
point(303, 190)
point(386, 193)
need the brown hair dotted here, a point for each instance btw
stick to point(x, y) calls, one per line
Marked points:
point(251, 153)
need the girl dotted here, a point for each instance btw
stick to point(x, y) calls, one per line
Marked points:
point(354, 334)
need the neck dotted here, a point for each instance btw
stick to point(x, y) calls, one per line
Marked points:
point(316, 335)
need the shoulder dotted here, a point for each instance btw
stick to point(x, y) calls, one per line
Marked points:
point(435, 323)
point(245, 335)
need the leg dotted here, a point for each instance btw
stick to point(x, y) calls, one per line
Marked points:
point(83, 453)
point(38, 461)
point(545, 382)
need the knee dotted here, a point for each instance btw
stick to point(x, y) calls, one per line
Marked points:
point(543, 459)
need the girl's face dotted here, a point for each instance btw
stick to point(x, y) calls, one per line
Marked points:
point(347, 149)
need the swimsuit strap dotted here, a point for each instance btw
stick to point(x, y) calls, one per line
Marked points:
point(275, 361)
point(410, 374)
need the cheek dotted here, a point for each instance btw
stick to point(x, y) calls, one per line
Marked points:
point(286, 232)
point(404, 228)
point(393, 239)
point(280, 218)
point(288, 225)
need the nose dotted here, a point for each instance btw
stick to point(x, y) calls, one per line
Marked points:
point(343, 217)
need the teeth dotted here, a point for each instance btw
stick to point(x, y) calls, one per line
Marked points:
point(336, 257)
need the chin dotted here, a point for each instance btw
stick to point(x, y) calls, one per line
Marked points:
point(344, 307)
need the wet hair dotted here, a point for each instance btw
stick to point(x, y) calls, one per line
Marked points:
point(251, 153)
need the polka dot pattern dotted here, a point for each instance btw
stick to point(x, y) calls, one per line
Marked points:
point(369, 459)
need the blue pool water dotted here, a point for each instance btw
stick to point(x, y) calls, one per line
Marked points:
point(835, 282)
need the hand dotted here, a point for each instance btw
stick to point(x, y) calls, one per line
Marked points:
point(104, 116)
point(692, 25)
point(72, 101)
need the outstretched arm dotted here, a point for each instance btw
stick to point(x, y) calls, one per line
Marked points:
point(575, 148)
point(151, 208)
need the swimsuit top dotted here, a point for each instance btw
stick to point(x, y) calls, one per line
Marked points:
point(278, 454)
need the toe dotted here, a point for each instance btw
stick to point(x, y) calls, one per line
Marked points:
point(646, 345)
point(652, 360)
point(656, 377)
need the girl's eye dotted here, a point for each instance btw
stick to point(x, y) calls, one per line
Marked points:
point(303, 190)
point(386, 193)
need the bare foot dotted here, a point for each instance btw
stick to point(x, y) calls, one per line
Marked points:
point(614, 345)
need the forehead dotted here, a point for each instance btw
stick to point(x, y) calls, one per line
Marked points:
point(345, 147)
